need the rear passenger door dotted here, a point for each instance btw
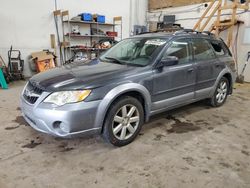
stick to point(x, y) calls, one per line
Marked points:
point(221, 54)
point(205, 62)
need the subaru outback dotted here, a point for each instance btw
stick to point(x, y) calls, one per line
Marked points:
point(117, 93)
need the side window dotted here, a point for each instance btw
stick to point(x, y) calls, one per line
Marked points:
point(180, 49)
point(218, 49)
point(202, 50)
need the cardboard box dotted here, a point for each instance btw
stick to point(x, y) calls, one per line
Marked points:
point(43, 60)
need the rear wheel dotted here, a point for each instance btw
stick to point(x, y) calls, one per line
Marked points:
point(221, 93)
point(123, 121)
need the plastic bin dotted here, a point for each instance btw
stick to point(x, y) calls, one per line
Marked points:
point(112, 33)
point(99, 18)
point(86, 17)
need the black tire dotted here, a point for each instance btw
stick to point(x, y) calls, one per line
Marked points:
point(115, 108)
point(214, 100)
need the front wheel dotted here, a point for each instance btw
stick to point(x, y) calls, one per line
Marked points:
point(221, 93)
point(123, 121)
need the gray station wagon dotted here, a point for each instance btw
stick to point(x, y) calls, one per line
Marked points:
point(117, 93)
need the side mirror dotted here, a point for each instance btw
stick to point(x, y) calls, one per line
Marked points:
point(168, 61)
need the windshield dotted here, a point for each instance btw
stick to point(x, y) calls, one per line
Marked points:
point(135, 51)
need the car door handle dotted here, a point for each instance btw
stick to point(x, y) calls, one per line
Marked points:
point(218, 65)
point(190, 70)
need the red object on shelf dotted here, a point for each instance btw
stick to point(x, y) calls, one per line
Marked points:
point(112, 33)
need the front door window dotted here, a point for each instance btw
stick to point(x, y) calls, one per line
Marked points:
point(179, 49)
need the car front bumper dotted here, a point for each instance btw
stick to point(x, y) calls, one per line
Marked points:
point(64, 121)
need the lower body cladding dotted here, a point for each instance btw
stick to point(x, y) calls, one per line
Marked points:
point(64, 121)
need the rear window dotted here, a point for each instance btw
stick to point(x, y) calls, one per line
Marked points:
point(218, 48)
point(202, 50)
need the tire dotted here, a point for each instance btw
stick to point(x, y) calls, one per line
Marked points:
point(221, 93)
point(119, 128)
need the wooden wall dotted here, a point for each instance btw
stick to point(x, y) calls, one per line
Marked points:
point(159, 4)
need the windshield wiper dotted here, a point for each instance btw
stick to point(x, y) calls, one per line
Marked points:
point(135, 65)
point(115, 60)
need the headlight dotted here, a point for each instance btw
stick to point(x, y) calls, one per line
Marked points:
point(66, 97)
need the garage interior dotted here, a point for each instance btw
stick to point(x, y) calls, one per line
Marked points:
point(191, 146)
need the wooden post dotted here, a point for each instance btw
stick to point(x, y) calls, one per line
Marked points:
point(230, 32)
point(217, 23)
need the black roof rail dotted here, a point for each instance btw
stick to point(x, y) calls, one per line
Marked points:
point(184, 31)
point(180, 32)
point(208, 33)
point(192, 31)
point(147, 32)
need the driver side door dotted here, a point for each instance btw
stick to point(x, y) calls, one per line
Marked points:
point(174, 85)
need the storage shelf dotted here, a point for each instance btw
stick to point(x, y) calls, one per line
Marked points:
point(70, 38)
point(86, 36)
point(91, 23)
point(86, 49)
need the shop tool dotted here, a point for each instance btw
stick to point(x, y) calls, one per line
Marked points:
point(15, 64)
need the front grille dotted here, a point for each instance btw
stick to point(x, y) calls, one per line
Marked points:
point(32, 93)
point(34, 88)
point(31, 100)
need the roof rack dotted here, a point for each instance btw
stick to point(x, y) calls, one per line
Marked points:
point(192, 31)
point(183, 31)
point(208, 33)
point(157, 31)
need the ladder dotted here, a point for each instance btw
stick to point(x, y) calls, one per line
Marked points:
point(217, 6)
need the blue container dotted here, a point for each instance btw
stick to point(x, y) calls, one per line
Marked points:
point(86, 17)
point(100, 19)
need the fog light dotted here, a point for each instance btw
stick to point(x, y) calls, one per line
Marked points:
point(64, 127)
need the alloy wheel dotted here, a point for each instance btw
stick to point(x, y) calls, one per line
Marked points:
point(221, 92)
point(125, 122)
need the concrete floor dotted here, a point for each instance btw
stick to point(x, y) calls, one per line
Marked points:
point(193, 146)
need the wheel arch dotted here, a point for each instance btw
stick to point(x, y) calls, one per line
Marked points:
point(131, 89)
point(227, 74)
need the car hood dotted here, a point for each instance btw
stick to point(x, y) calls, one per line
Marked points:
point(87, 75)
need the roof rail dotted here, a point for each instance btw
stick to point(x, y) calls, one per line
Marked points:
point(147, 32)
point(208, 33)
point(181, 32)
point(184, 31)
point(192, 31)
